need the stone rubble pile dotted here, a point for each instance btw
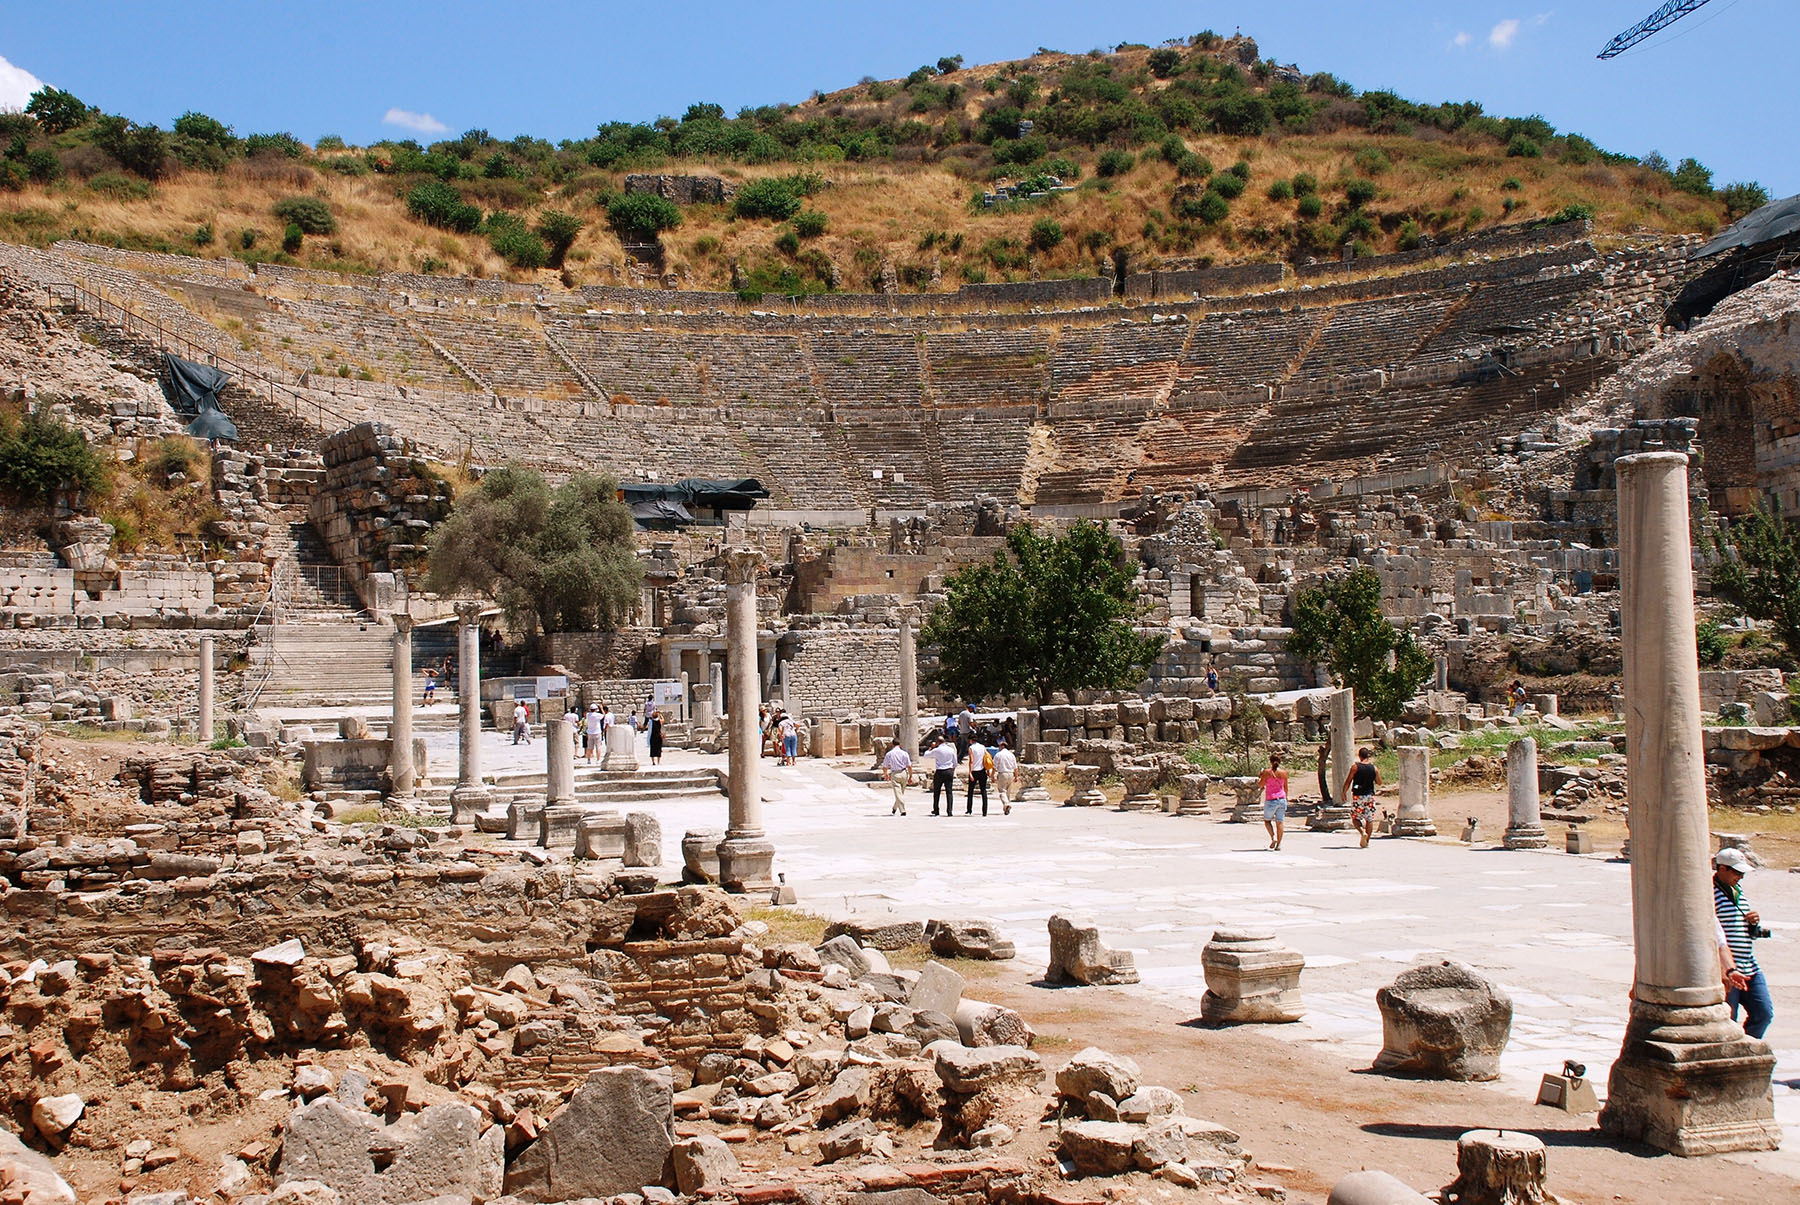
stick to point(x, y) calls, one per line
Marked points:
point(1126, 1126)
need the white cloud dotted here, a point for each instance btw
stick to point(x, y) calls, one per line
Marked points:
point(16, 86)
point(425, 123)
point(1501, 36)
point(1461, 39)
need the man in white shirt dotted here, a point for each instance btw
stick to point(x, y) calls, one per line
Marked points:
point(1006, 764)
point(594, 728)
point(942, 757)
point(897, 768)
point(978, 777)
point(521, 722)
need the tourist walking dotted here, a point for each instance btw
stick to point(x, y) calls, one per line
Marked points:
point(1212, 680)
point(1275, 800)
point(980, 762)
point(656, 737)
point(521, 722)
point(430, 685)
point(942, 756)
point(1359, 788)
point(1516, 695)
point(1742, 925)
point(1006, 765)
point(896, 767)
point(594, 728)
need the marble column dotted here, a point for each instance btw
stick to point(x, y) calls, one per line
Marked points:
point(1687, 1080)
point(1414, 817)
point(203, 723)
point(721, 704)
point(470, 797)
point(909, 685)
point(1524, 827)
point(746, 858)
point(559, 763)
point(1336, 818)
point(703, 705)
point(687, 709)
point(401, 771)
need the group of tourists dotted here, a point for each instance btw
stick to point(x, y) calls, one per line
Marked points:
point(778, 733)
point(985, 752)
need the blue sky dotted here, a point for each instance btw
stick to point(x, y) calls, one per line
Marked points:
point(1715, 85)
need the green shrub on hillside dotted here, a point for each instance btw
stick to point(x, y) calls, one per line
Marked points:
point(120, 187)
point(1524, 147)
point(292, 238)
point(39, 456)
point(558, 230)
point(1359, 192)
point(58, 111)
point(1114, 163)
point(514, 243)
point(437, 204)
point(1742, 197)
point(777, 198)
point(1310, 206)
point(810, 223)
point(283, 144)
point(1691, 176)
point(1280, 190)
point(641, 215)
point(1046, 233)
point(1305, 184)
point(203, 129)
point(312, 214)
point(1193, 167)
point(1227, 185)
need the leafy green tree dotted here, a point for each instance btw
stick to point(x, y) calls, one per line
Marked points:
point(312, 214)
point(1340, 623)
point(1050, 613)
point(208, 130)
point(513, 242)
point(772, 198)
point(437, 204)
point(39, 456)
point(138, 148)
point(1759, 572)
point(555, 560)
point(1742, 197)
point(58, 111)
point(1164, 62)
point(558, 230)
point(641, 215)
point(1692, 176)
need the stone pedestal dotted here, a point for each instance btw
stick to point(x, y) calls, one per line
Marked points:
point(1031, 784)
point(1193, 795)
point(1524, 829)
point(1414, 818)
point(470, 797)
point(1546, 705)
point(1078, 956)
point(1085, 792)
point(909, 686)
point(1140, 789)
point(1335, 817)
point(557, 828)
point(746, 858)
point(1246, 796)
point(700, 855)
point(1500, 1167)
point(1687, 1079)
point(599, 835)
point(1250, 977)
point(703, 705)
point(402, 774)
point(1443, 1021)
point(523, 820)
point(621, 748)
point(203, 724)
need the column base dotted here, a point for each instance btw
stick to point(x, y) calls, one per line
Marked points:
point(627, 762)
point(1330, 820)
point(467, 802)
point(1690, 1082)
point(1415, 828)
point(1140, 803)
point(1033, 795)
point(746, 864)
point(1526, 836)
point(1093, 797)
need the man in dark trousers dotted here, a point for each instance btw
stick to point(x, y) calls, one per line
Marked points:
point(978, 777)
point(942, 756)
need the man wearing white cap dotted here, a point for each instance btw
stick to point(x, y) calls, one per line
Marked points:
point(1742, 926)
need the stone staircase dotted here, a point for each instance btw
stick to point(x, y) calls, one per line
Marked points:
point(322, 663)
point(595, 789)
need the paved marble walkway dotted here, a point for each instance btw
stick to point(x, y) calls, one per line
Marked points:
point(1551, 928)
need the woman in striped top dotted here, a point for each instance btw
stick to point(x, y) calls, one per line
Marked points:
point(1741, 926)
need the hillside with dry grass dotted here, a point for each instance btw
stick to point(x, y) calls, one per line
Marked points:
point(1195, 152)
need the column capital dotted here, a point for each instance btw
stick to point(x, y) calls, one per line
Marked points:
point(741, 565)
point(909, 617)
point(469, 613)
point(403, 623)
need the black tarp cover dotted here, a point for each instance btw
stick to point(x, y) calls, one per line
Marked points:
point(195, 389)
point(716, 494)
point(661, 510)
point(1777, 219)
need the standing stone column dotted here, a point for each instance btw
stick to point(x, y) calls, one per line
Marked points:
point(746, 858)
point(1336, 818)
point(909, 685)
point(703, 705)
point(1524, 828)
point(203, 723)
point(1687, 1080)
point(721, 704)
point(470, 797)
point(401, 771)
point(559, 763)
point(687, 709)
point(1414, 818)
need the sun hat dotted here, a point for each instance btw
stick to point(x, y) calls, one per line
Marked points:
point(1732, 859)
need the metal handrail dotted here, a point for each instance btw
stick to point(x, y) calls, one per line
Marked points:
point(92, 301)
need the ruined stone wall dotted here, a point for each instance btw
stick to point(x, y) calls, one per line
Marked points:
point(372, 507)
point(604, 656)
point(1094, 291)
point(1186, 283)
point(833, 671)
